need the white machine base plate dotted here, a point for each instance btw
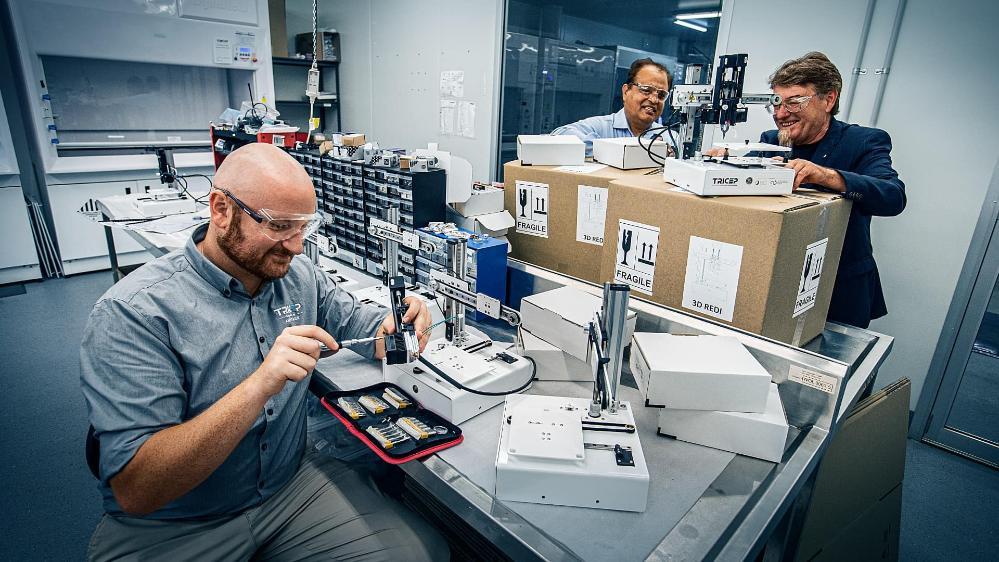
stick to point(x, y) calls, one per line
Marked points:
point(481, 370)
point(545, 456)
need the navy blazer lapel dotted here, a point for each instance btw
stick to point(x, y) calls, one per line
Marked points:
point(828, 143)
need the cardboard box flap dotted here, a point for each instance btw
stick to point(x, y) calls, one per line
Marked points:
point(496, 221)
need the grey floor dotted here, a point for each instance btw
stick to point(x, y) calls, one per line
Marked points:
point(50, 503)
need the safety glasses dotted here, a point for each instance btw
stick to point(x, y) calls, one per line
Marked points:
point(651, 91)
point(279, 226)
point(792, 105)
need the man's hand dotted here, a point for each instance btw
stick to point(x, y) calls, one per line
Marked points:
point(809, 172)
point(714, 152)
point(293, 356)
point(417, 314)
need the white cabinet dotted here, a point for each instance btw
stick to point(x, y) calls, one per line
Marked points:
point(82, 244)
point(18, 258)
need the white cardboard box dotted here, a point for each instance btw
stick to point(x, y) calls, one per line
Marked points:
point(550, 150)
point(493, 224)
point(627, 154)
point(484, 200)
point(553, 363)
point(755, 435)
point(562, 316)
point(698, 373)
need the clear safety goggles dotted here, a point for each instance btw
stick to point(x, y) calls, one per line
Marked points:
point(279, 226)
point(792, 105)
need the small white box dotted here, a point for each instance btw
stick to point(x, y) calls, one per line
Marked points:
point(493, 224)
point(562, 317)
point(553, 363)
point(550, 150)
point(711, 178)
point(698, 373)
point(755, 435)
point(484, 200)
point(627, 154)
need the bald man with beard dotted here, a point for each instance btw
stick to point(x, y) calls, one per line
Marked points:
point(195, 369)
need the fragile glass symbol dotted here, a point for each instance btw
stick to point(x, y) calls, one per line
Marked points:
point(625, 245)
point(523, 202)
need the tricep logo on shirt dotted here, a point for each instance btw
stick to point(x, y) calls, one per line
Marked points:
point(291, 314)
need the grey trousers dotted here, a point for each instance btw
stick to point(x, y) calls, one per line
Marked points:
point(328, 511)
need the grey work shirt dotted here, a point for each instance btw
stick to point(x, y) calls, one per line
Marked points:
point(174, 337)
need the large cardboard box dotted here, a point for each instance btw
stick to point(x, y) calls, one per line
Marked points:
point(562, 239)
point(763, 264)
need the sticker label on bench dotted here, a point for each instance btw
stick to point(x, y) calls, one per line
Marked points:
point(811, 379)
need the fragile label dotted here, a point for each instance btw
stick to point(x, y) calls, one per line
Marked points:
point(637, 245)
point(532, 208)
point(811, 274)
point(811, 379)
point(591, 213)
point(712, 278)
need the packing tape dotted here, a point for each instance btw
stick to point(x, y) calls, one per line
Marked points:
point(799, 328)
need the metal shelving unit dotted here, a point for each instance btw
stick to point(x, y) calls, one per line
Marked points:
point(324, 106)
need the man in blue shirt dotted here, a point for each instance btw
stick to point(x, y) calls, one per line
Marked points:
point(830, 155)
point(195, 369)
point(644, 96)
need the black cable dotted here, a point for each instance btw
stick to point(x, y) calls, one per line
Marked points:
point(204, 197)
point(445, 376)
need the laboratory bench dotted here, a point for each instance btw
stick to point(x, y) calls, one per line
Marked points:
point(703, 503)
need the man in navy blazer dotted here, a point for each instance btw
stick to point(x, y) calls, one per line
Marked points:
point(834, 156)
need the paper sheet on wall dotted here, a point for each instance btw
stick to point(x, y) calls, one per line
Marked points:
point(712, 279)
point(591, 213)
point(637, 248)
point(466, 119)
point(448, 116)
point(453, 83)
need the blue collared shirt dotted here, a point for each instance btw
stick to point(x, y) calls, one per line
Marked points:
point(173, 337)
point(610, 126)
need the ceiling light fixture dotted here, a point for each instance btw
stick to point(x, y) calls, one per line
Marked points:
point(698, 16)
point(689, 25)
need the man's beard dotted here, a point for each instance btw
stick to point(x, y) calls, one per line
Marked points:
point(232, 244)
point(784, 138)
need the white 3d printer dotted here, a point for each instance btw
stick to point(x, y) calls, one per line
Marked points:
point(573, 451)
point(723, 104)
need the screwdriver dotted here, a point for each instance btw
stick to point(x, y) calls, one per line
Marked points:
point(326, 352)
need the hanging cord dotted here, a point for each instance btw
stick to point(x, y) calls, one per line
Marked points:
point(312, 87)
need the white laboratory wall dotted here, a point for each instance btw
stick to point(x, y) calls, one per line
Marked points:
point(935, 107)
point(393, 56)
point(18, 258)
point(943, 147)
point(773, 31)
